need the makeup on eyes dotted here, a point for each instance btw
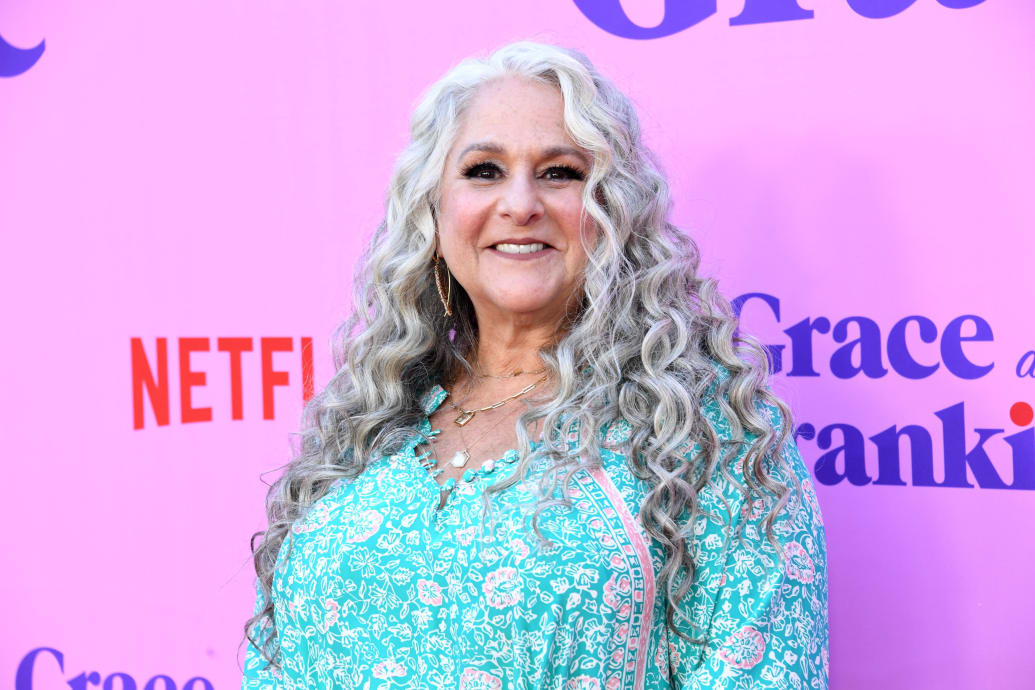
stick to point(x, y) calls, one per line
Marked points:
point(472, 171)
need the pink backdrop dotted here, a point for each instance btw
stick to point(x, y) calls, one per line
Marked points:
point(207, 170)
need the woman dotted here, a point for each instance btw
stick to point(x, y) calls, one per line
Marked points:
point(547, 459)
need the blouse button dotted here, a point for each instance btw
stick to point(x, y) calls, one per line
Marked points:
point(489, 465)
point(468, 475)
point(450, 483)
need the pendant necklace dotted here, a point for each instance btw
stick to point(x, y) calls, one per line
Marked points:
point(467, 415)
point(461, 457)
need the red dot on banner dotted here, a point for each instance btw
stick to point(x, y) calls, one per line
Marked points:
point(1021, 413)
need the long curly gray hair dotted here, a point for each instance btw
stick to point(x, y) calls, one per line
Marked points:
point(648, 341)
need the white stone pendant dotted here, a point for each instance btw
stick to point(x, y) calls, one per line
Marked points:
point(460, 459)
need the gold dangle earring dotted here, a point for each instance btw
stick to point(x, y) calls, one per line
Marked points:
point(443, 295)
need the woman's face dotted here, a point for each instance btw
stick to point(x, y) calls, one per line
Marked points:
point(511, 198)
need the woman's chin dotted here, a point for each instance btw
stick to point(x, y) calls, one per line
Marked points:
point(528, 304)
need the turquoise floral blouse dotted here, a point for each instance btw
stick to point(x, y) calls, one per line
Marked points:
point(376, 587)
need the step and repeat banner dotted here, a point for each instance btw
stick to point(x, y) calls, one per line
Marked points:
point(185, 187)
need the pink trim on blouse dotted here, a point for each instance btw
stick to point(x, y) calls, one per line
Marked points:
point(634, 530)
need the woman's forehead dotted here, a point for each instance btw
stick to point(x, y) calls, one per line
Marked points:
point(520, 105)
point(512, 115)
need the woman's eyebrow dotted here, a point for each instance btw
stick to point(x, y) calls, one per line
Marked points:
point(549, 152)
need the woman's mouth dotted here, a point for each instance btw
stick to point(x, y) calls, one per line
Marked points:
point(524, 251)
point(505, 248)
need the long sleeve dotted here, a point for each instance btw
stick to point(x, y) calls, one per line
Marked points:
point(257, 674)
point(765, 620)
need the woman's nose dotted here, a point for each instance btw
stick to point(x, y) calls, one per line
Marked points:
point(521, 202)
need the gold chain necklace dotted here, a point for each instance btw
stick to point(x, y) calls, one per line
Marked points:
point(519, 372)
point(467, 415)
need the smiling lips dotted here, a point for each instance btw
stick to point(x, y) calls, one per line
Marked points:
point(521, 248)
point(507, 248)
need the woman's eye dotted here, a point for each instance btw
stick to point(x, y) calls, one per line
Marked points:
point(482, 171)
point(563, 172)
point(491, 171)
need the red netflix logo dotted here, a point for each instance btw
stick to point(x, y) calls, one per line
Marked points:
point(152, 378)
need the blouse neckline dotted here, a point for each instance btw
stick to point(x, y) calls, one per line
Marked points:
point(430, 401)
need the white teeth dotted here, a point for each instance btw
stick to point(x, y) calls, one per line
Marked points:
point(520, 248)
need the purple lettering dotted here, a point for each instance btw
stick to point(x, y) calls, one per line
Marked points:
point(952, 348)
point(854, 449)
point(1023, 445)
point(898, 351)
point(958, 458)
point(679, 15)
point(23, 676)
point(801, 345)
point(920, 450)
point(868, 344)
point(773, 352)
point(879, 9)
point(764, 11)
